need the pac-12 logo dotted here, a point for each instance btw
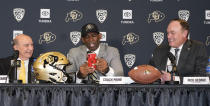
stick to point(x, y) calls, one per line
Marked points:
point(101, 15)
point(184, 14)
point(18, 13)
point(129, 59)
point(75, 37)
point(158, 37)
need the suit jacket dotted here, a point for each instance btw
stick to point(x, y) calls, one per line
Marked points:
point(78, 56)
point(6, 69)
point(192, 61)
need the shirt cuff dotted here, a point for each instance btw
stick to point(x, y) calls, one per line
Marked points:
point(111, 72)
point(78, 80)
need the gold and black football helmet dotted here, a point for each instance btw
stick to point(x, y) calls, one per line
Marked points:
point(50, 67)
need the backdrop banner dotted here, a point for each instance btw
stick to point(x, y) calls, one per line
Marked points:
point(135, 27)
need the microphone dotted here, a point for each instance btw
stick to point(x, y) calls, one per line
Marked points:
point(16, 54)
point(172, 58)
point(14, 58)
point(15, 63)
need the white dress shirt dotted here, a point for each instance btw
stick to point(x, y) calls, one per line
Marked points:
point(172, 50)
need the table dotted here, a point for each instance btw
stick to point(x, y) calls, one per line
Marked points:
point(103, 95)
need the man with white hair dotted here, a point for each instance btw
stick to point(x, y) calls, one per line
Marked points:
point(24, 45)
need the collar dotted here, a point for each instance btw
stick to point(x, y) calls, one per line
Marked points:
point(180, 47)
point(96, 51)
point(24, 60)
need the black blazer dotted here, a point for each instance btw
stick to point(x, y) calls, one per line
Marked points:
point(192, 61)
point(5, 67)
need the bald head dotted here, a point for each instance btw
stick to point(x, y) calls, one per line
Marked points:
point(19, 38)
point(24, 44)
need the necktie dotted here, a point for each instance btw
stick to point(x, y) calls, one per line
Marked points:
point(22, 73)
point(93, 77)
point(176, 55)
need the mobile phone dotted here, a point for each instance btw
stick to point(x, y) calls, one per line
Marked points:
point(91, 60)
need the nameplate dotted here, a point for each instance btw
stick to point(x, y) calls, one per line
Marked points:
point(4, 79)
point(196, 80)
point(115, 80)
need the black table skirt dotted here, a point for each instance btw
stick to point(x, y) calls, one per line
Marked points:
point(104, 95)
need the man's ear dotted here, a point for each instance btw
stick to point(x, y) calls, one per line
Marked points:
point(15, 47)
point(185, 33)
point(82, 40)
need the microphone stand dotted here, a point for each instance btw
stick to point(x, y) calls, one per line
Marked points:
point(172, 82)
point(16, 64)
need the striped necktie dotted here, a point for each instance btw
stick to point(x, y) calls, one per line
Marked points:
point(93, 76)
point(22, 73)
point(176, 55)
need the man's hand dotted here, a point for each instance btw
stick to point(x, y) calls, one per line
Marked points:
point(84, 70)
point(102, 66)
point(165, 76)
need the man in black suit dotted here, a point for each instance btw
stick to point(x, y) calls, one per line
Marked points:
point(24, 44)
point(191, 56)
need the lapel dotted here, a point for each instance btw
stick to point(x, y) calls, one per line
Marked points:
point(10, 69)
point(83, 54)
point(30, 65)
point(101, 51)
point(184, 54)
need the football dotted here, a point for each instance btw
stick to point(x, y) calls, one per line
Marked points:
point(144, 74)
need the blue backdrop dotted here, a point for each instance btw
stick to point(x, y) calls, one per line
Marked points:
point(135, 27)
